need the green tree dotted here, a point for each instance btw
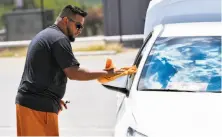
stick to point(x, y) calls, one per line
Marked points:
point(94, 21)
point(56, 5)
point(4, 9)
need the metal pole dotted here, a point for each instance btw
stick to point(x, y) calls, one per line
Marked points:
point(120, 21)
point(42, 14)
point(19, 4)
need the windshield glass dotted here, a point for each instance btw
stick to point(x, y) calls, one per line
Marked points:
point(183, 63)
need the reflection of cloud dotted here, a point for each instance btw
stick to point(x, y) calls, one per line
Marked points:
point(180, 63)
point(196, 60)
point(163, 40)
point(214, 53)
point(169, 49)
point(209, 67)
point(204, 39)
point(152, 82)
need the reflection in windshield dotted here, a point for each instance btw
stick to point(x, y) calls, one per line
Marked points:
point(184, 63)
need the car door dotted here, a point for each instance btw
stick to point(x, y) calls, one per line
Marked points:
point(121, 108)
point(137, 61)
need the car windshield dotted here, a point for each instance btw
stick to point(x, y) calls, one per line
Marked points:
point(183, 64)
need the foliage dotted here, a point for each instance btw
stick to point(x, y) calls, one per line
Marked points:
point(4, 9)
point(56, 5)
point(94, 20)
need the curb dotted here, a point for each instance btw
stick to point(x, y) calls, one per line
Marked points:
point(87, 53)
point(94, 53)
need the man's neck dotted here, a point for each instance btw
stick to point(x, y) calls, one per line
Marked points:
point(64, 30)
point(61, 27)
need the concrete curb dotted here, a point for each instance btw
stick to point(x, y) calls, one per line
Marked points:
point(94, 53)
point(86, 53)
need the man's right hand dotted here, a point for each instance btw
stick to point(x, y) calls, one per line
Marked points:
point(113, 72)
point(76, 73)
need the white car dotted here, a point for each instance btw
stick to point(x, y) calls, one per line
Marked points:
point(181, 11)
point(176, 91)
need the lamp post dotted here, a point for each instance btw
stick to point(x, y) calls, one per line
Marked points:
point(120, 21)
point(19, 4)
point(42, 13)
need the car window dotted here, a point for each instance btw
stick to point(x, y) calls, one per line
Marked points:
point(183, 63)
point(137, 60)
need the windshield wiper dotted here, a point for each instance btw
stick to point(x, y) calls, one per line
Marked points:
point(178, 90)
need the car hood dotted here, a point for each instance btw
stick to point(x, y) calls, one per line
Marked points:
point(172, 114)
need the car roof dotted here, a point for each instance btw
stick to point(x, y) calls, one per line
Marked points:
point(173, 4)
point(191, 29)
point(185, 7)
point(181, 11)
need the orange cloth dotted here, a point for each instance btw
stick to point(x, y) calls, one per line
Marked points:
point(109, 65)
point(36, 123)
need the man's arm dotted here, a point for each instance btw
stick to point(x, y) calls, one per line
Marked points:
point(63, 54)
point(77, 73)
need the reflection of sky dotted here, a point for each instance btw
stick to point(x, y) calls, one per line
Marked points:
point(184, 62)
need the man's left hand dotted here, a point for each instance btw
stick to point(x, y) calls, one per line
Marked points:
point(63, 104)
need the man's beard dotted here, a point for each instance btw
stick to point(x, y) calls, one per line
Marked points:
point(70, 36)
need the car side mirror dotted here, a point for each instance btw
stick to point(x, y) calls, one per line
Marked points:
point(118, 85)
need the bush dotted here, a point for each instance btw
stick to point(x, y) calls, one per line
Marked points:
point(94, 21)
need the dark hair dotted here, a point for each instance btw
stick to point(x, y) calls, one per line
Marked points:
point(70, 10)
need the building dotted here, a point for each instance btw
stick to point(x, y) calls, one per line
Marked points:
point(125, 17)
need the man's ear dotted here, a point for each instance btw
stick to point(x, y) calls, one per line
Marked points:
point(65, 20)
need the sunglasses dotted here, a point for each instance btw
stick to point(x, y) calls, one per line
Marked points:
point(79, 26)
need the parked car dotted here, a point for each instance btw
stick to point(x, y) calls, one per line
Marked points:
point(177, 89)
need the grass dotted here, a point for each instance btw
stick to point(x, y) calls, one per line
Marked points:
point(13, 52)
point(109, 47)
point(21, 51)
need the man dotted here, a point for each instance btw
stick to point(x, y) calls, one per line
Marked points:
point(49, 62)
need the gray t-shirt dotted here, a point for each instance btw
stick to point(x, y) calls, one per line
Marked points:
point(43, 82)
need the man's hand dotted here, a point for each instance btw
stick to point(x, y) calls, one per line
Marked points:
point(81, 74)
point(113, 72)
point(63, 104)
